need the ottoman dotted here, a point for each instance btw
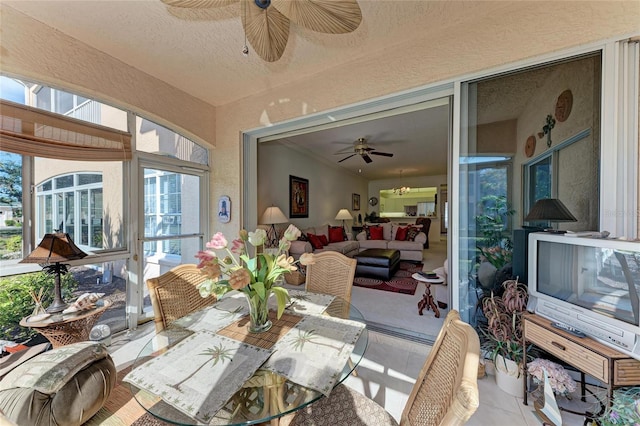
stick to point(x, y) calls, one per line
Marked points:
point(377, 263)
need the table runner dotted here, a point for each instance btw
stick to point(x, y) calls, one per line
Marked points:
point(186, 375)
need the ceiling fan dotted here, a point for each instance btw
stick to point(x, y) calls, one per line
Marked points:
point(361, 147)
point(266, 22)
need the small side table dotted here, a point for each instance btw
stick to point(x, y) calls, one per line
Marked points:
point(427, 298)
point(73, 327)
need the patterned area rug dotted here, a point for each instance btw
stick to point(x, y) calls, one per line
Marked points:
point(401, 282)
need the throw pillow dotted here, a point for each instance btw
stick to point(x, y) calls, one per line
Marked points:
point(412, 232)
point(303, 237)
point(367, 230)
point(376, 233)
point(401, 233)
point(323, 239)
point(315, 241)
point(336, 234)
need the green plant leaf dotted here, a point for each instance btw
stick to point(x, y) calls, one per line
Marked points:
point(282, 296)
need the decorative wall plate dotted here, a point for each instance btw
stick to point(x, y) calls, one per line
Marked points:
point(373, 201)
point(530, 146)
point(564, 105)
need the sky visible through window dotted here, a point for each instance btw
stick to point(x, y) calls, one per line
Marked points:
point(11, 90)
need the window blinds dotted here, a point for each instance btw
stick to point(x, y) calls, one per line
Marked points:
point(29, 131)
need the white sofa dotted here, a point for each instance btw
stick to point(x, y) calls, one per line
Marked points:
point(348, 247)
point(409, 250)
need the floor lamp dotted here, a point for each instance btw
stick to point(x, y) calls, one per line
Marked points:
point(343, 214)
point(271, 216)
point(50, 253)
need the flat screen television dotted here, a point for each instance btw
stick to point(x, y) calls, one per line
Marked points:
point(591, 284)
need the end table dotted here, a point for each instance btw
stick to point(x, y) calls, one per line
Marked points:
point(71, 328)
point(427, 298)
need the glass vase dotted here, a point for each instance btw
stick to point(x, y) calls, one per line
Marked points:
point(258, 313)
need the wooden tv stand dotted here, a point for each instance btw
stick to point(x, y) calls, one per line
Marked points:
point(589, 356)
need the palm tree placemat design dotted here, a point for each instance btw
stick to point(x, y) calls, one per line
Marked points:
point(186, 375)
point(315, 351)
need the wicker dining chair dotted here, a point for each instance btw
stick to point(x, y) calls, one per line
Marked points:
point(445, 392)
point(174, 294)
point(332, 273)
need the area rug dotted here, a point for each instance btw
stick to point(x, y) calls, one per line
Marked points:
point(401, 282)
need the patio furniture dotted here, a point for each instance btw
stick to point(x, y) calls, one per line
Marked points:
point(63, 386)
point(68, 328)
point(174, 294)
point(445, 393)
point(257, 376)
point(332, 273)
point(378, 263)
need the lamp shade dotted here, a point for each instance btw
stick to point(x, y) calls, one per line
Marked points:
point(550, 209)
point(273, 215)
point(54, 248)
point(344, 214)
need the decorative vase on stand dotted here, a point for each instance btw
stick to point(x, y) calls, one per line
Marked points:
point(258, 313)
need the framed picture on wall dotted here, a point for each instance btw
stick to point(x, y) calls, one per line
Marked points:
point(298, 197)
point(355, 201)
point(224, 209)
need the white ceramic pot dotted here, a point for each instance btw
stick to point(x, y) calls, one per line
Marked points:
point(509, 377)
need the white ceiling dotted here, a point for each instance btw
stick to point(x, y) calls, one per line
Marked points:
point(199, 52)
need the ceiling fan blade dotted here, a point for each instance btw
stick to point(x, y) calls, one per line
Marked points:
point(324, 16)
point(267, 30)
point(346, 158)
point(384, 154)
point(366, 158)
point(198, 4)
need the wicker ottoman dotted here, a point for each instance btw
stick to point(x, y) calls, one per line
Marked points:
point(377, 263)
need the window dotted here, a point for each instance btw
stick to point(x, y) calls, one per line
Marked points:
point(162, 210)
point(64, 204)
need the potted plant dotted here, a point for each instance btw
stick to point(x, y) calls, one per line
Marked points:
point(503, 335)
point(624, 408)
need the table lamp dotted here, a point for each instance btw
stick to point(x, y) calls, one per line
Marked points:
point(343, 214)
point(51, 252)
point(550, 210)
point(271, 216)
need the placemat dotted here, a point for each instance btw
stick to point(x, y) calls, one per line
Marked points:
point(239, 331)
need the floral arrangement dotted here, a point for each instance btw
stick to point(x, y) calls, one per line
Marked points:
point(561, 382)
point(624, 408)
point(254, 273)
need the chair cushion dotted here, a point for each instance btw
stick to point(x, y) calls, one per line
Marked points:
point(344, 406)
point(65, 386)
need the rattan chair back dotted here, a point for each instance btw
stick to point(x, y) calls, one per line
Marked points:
point(446, 391)
point(332, 273)
point(174, 294)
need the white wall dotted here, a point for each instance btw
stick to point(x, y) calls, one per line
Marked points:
point(330, 188)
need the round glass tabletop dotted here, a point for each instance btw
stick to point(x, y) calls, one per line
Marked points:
point(265, 394)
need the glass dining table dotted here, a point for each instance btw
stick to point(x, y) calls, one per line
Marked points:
point(206, 368)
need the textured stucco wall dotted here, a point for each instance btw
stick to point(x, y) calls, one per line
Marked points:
point(31, 50)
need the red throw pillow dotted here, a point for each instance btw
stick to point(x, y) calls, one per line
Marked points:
point(401, 233)
point(376, 232)
point(315, 241)
point(323, 239)
point(336, 234)
point(412, 232)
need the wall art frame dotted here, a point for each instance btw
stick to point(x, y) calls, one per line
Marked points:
point(298, 197)
point(355, 202)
